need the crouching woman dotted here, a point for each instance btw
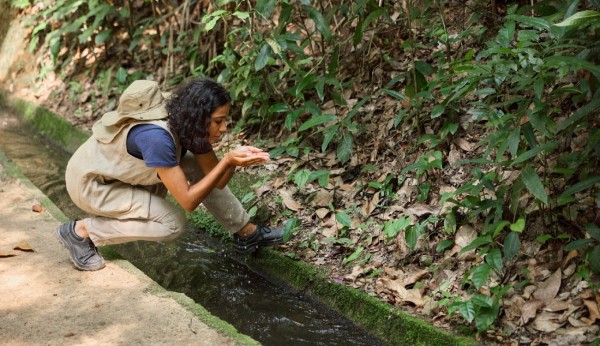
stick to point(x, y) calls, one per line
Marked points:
point(152, 144)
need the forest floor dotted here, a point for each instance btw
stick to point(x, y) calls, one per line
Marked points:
point(548, 304)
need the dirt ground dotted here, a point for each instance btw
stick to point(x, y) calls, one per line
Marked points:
point(44, 300)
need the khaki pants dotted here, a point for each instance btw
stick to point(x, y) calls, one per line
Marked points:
point(165, 221)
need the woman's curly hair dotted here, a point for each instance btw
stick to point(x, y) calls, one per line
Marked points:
point(190, 108)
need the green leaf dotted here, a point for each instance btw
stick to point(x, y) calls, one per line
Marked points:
point(393, 227)
point(211, 24)
point(581, 113)
point(343, 218)
point(481, 300)
point(411, 235)
point(467, 310)
point(579, 243)
point(317, 120)
point(485, 317)
point(480, 275)
point(572, 62)
point(536, 22)
point(121, 75)
point(476, 243)
point(582, 185)
point(581, 18)
point(534, 184)
point(548, 147)
point(494, 259)
point(328, 135)
point(344, 147)
point(594, 259)
point(102, 37)
point(394, 94)
point(518, 226)
point(513, 141)
point(263, 57)
point(443, 245)
point(512, 245)
point(289, 228)
point(593, 231)
point(301, 177)
point(437, 111)
point(354, 255)
point(265, 8)
point(321, 22)
point(321, 176)
point(241, 15)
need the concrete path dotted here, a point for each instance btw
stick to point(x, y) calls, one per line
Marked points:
point(44, 300)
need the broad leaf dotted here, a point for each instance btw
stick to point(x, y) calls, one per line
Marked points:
point(534, 184)
point(582, 185)
point(480, 275)
point(467, 310)
point(263, 57)
point(594, 259)
point(317, 120)
point(343, 218)
point(344, 148)
point(512, 245)
point(581, 18)
point(548, 147)
point(494, 259)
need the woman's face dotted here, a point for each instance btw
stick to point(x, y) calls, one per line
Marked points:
point(218, 123)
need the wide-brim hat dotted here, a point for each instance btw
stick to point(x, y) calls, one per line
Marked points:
point(141, 101)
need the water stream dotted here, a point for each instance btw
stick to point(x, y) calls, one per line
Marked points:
point(195, 264)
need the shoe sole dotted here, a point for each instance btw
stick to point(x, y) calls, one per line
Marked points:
point(62, 242)
point(254, 248)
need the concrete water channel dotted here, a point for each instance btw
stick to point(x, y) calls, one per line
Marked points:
point(195, 264)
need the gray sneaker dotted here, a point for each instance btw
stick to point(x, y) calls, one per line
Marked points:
point(263, 236)
point(81, 250)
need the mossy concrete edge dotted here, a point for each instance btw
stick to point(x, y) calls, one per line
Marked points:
point(379, 318)
point(13, 171)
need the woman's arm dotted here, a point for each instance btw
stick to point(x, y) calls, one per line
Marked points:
point(190, 196)
point(209, 161)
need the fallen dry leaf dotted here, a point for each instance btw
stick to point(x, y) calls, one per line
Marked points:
point(37, 208)
point(529, 310)
point(322, 212)
point(289, 203)
point(548, 289)
point(323, 198)
point(572, 254)
point(556, 306)
point(7, 254)
point(593, 312)
point(412, 295)
point(23, 246)
point(368, 207)
point(415, 277)
point(546, 322)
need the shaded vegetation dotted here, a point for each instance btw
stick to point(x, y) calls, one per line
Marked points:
point(399, 126)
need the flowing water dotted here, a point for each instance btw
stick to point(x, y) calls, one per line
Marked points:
point(195, 264)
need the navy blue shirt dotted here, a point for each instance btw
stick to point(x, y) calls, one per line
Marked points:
point(154, 145)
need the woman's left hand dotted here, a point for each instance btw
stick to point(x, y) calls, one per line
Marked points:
point(245, 156)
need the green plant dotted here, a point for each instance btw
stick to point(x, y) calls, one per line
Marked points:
point(590, 247)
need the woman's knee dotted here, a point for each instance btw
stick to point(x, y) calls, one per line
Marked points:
point(174, 223)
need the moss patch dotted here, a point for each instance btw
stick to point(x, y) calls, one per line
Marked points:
point(56, 129)
point(381, 319)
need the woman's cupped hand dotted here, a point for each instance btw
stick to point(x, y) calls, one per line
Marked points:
point(245, 156)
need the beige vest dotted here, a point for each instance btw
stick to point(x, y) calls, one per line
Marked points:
point(101, 177)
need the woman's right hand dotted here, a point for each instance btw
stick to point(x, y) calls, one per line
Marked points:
point(245, 156)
